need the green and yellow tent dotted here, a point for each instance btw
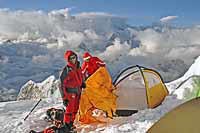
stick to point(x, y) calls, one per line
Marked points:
point(134, 88)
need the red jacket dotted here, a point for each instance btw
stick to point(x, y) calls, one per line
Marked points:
point(71, 76)
point(88, 68)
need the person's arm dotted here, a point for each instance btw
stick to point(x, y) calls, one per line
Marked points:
point(83, 84)
point(84, 69)
point(65, 88)
point(100, 62)
point(62, 88)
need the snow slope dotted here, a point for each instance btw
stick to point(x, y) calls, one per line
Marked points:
point(185, 83)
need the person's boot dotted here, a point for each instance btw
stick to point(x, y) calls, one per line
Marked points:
point(67, 128)
point(72, 127)
point(64, 129)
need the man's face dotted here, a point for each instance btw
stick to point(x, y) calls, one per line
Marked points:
point(72, 59)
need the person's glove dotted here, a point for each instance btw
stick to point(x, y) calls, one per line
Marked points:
point(83, 85)
point(65, 102)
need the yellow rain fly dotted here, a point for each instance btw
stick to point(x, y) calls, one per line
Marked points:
point(97, 95)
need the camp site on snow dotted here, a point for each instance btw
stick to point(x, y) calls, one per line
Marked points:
point(103, 100)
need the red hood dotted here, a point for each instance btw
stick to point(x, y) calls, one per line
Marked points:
point(87, 55)
point(67, 55)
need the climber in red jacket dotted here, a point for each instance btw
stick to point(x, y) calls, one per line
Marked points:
point(71, 87)
point(90, 64)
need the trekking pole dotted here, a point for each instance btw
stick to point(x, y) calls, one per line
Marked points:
point(32, 109)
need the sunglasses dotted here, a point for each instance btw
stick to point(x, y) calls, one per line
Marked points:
point(72, 57)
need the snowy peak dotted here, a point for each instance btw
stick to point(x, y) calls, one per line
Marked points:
point(32, 90)
point(194, 69)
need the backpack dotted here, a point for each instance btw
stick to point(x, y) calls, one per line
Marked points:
point(55, 116)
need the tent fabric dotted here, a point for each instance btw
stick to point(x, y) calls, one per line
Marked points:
point(139, 88)
point(131, 93)
point(198, 93)
point(97, 95)
point(155, 88)
point(182, 119)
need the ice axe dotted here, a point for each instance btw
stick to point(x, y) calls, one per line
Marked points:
point(22, 121)
point(32, 109)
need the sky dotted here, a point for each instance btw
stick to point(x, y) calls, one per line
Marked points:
point(138, 12)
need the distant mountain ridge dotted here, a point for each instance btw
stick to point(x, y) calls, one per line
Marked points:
point(48, 88)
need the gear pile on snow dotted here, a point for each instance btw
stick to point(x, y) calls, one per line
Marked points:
point(55, 117)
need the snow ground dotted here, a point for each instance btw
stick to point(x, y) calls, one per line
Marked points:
point(13, 113)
